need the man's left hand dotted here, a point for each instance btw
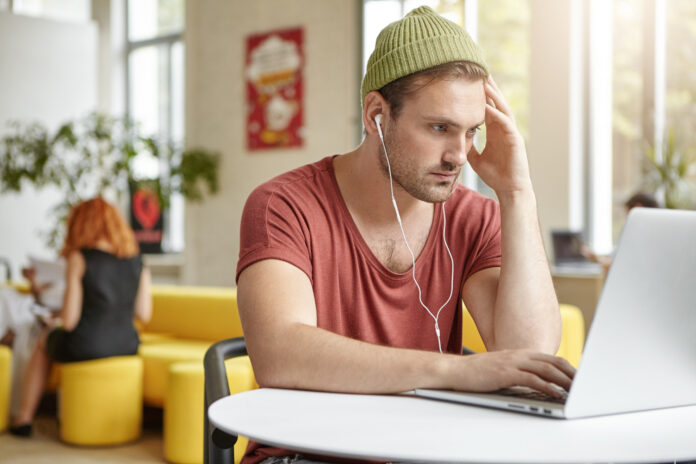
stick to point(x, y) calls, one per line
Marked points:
point(503, 163)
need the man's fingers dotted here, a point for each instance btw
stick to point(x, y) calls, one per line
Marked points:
point(565, 366)
point(537, 383)
point(496, 95)
point(493, 84)
point(548, 372)
point(560, 363)
point(498, 116)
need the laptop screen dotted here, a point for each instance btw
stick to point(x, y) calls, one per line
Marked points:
point(566, 246)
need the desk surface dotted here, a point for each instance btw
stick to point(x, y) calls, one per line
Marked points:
point(407, 428)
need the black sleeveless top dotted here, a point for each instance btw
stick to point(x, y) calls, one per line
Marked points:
point(105, 328)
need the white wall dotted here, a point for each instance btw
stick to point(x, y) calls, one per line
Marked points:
point(47, 74)
point(215, 36)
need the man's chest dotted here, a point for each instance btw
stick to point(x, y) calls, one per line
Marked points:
point(391, 250)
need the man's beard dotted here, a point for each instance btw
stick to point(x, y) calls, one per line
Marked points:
point(405, 174)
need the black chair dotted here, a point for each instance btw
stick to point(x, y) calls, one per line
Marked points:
point(466, 351)
point(218, 446)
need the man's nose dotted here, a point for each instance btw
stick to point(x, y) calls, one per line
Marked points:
point(456, 153)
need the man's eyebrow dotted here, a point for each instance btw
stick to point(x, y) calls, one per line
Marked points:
point(450, 122)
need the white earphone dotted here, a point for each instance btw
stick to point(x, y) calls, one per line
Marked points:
point(436, 316)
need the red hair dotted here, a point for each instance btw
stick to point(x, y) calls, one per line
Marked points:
point(96, 221)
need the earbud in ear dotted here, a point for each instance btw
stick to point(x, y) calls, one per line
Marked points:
point(378, 121)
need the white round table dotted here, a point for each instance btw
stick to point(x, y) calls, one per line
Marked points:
point(411, 429)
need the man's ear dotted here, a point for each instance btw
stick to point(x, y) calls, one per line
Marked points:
point(373, 105)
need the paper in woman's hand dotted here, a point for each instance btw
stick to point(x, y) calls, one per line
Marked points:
point(50, 277)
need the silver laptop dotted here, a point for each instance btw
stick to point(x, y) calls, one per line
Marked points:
point(640, 352)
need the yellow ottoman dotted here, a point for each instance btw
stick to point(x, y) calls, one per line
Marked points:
point(101, 401)
point(183, 408)
point(158, 356)
point(5, 385)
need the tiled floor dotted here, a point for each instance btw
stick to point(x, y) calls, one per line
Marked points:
point(45, 447)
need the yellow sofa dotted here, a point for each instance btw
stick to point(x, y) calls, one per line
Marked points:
point(185, 322)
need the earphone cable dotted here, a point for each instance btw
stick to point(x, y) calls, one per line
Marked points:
point(413, 256)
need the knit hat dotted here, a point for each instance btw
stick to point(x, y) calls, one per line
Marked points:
point(420, 40)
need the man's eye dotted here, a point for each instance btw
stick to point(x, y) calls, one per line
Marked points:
point(472, 132)
point(439, 128)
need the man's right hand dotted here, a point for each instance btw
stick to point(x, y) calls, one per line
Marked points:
point(495, 370)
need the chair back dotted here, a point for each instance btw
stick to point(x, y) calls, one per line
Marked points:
point(218, 446)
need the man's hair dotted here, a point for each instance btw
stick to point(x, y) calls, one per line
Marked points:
point(643, 199)
point(397, 91)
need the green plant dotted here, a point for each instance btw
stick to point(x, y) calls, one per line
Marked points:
point(673, 174)
point(96, 156)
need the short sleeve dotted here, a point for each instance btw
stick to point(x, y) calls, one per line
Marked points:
point(488, 250)
point(272, 227)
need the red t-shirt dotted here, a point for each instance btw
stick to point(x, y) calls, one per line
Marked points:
point(300, 217)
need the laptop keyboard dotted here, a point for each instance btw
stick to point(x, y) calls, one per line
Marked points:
point(533, 395)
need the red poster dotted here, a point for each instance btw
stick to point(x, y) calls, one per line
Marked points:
point(274, 63)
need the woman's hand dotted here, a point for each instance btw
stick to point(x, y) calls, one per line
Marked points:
point(503, 163)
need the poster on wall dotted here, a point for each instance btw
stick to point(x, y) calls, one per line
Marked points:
point(146, 217)
point(274, 81)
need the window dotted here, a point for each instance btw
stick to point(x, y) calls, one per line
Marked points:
point(629, 107)
point(680, 90)
point(503, 33)
point(504, 36)
point(155, 89)
point(680, 56)
point(654, 95)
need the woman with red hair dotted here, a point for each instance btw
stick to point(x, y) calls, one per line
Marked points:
point(106, 286)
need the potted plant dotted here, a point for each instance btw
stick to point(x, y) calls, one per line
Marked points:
point(672, 175)
point(98, 155)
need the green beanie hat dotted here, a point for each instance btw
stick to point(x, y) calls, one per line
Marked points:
point(420, 40)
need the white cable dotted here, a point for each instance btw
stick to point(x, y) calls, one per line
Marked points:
point(413, 256)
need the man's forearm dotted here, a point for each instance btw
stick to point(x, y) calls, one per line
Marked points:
point(307, 357)
point(314, 359)
point(526, 309)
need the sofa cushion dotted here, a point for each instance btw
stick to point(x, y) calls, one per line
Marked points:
point(196, 313)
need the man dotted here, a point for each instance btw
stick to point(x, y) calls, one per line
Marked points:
point(338, 291)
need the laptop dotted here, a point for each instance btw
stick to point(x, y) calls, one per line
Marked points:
point(640, 352)
point(567, 246)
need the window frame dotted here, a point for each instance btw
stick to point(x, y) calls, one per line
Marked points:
point(166, 133)
point(168, 40)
